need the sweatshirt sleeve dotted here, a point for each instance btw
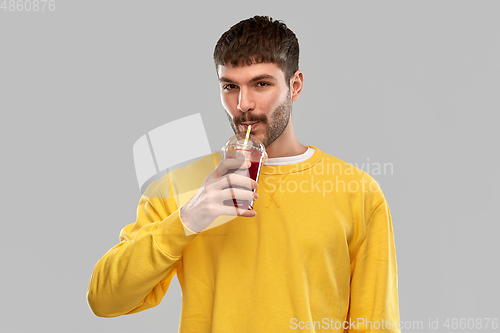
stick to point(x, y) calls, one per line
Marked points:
point(135, 274)
point(374, 305)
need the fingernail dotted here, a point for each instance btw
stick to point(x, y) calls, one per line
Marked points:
point(256, 196)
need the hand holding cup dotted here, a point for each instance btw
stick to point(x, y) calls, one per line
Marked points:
point(227, 182)
point(230, 188)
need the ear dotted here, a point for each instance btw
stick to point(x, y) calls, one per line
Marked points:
point(296, 83)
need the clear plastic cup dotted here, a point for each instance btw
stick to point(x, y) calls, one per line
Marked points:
point(253, 151)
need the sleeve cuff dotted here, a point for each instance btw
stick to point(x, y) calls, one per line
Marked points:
point(172, 236)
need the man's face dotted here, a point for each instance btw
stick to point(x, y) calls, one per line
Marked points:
point(256, 94)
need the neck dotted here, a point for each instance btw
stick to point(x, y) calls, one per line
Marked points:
point(286, 145)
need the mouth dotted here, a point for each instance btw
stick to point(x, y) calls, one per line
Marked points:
point(245, 125)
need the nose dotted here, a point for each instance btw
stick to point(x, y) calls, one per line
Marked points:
point(245, 101)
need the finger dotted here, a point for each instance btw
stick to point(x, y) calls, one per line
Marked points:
point(231, 165)
point(234, 211)
point(224, 167)
point(249, 213)
point(236, 181)
point(237, 194)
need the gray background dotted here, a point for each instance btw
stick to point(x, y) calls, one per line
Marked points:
point(414, 84)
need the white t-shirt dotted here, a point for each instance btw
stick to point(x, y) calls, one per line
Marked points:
point(290, 159)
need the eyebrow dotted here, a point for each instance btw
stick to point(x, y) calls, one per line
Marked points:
point(257, 78)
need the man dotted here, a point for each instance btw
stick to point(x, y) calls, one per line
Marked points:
point(316, 253)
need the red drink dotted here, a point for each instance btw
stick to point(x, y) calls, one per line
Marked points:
point(256, 158)
point(248, 147)
point(253, 172)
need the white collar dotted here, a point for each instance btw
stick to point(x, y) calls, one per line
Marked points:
point(290, 159)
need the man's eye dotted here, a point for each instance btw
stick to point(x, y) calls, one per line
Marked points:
point(229, 86)
point(262, 84)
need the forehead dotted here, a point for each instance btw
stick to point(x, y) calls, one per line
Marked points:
point(246, 73)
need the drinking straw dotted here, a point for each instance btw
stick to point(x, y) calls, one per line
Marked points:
point(247, 136)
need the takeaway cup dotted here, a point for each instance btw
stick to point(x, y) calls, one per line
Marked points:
point(251, 150)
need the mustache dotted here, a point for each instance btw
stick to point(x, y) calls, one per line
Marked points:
point(250, 118)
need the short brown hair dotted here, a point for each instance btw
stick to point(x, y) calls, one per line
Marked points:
point(259, 39)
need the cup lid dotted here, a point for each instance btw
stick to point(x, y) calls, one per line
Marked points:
point(238, 142)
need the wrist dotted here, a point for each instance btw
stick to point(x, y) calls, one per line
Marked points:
point(186, 220)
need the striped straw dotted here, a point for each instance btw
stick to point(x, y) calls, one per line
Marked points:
point(247, 136)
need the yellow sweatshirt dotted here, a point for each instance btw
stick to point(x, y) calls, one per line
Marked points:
point(318, 257)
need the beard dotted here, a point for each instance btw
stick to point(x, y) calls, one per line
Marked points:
point(274, 125)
